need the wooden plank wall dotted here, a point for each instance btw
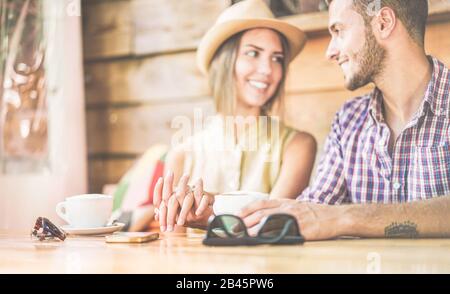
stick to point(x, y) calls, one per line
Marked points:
point(140, 72)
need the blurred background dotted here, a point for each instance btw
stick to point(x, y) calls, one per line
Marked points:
point(88, 86)
point(140, 72)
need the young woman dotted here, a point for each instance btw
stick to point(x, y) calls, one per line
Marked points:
point(246, 56)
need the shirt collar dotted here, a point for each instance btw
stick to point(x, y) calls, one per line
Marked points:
point(375, 108)
point(436, 96)
point(438, 89)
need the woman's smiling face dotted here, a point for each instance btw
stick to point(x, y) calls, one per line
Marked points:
point(259, 67)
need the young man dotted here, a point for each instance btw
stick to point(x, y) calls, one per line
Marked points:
point(387, 157)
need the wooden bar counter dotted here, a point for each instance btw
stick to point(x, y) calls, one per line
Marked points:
point(183, 254)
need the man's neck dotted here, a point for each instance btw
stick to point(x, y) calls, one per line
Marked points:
point(403, 84)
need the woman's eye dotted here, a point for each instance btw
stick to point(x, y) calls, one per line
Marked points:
point(251, 53)
point(278, 59)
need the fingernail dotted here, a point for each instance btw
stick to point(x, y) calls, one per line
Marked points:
point(180, 222)
point(169, 228)
point(162, 228)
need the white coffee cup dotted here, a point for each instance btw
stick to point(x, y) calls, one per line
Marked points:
point(86, 211)
point(233, 202)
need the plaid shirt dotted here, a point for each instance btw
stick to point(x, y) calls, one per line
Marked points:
point(356, 166)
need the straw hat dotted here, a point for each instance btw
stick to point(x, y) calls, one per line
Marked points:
point(244, 15)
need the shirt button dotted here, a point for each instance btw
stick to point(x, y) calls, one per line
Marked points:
point(397, 185)
point(381, 143)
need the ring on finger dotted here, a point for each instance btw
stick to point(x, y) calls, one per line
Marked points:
point(190, 191)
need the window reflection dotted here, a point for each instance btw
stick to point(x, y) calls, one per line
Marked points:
point(23, 103)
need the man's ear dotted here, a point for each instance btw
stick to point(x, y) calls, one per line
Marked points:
point(384, 23)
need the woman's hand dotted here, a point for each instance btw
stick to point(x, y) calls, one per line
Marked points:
point(184, 206)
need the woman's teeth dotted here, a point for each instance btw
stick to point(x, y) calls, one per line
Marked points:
point(258, 85)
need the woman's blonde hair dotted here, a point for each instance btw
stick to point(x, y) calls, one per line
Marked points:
point(223, 84)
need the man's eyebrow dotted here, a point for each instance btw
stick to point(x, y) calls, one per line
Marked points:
point(261, 49)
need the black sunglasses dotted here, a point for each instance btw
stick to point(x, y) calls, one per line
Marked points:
point(44, 230)
point(230, 230)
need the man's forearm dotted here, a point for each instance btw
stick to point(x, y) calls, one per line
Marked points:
point(421, 219)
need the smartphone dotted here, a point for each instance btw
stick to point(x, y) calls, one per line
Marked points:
point(131, 237)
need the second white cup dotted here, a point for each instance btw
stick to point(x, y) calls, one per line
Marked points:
point(233, 202)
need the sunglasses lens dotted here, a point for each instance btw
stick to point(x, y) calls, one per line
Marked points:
point(228, 226)
point(38, 224)
point(53, 230)
point(45, 229)
point(277, 225)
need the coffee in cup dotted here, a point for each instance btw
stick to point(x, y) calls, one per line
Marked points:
point(86, 211)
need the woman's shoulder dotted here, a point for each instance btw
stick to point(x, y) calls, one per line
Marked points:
point(298, 139)
point(303, 138)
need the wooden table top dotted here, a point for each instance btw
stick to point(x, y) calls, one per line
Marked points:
point(183, 254)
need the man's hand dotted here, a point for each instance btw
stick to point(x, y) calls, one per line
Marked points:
point(316, 221)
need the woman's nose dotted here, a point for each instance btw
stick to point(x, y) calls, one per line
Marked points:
point(265, 66)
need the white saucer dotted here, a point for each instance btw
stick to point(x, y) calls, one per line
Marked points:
point(93, 231)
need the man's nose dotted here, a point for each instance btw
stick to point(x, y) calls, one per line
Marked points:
point(332, 51)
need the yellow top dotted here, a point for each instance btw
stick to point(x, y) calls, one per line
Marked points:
point(252, 163)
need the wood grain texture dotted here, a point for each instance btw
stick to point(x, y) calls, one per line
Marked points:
point(439, 10)
point(131, 130)
point(172, 25)
point(175, 77)
point(107, 29)
point(310, 23)
point(141, 27)
point(437, 41)
point(165, 78)
point(185, 254)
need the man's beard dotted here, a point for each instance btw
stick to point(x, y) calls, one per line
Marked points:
point(371, 62)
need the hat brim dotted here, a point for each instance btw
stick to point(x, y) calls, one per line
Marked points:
point(218, 34)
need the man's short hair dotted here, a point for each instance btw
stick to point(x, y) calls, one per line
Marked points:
point(412, 13)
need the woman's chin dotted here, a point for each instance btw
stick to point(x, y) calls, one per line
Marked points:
point(252, 102)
